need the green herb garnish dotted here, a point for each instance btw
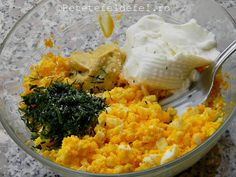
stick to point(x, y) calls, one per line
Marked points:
point(60, 110)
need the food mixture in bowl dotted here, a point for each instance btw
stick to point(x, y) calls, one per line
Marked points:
point(98, 111)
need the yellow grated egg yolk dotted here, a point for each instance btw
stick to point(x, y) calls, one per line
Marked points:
point(135, 134)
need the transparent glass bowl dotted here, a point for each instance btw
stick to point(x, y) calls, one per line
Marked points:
point(75, 27)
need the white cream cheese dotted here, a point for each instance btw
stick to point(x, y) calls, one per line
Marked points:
point(163, 55)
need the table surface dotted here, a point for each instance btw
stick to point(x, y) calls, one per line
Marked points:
point(219, 162)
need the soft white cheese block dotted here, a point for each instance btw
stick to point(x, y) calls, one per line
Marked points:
point(163, 55)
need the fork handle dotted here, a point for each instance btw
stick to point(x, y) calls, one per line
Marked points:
point(225, 55)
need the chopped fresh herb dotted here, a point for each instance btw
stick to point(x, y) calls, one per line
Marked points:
point(91, 76)
point(98, 79)
point(110, 95)
point(59, 111)
point(33, 78)
point(97, 82)
point(71, 74)
point(32, 86)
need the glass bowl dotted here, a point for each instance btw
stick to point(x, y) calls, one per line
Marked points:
point(75, 26)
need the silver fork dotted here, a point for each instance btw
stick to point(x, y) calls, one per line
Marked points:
point(200, 90)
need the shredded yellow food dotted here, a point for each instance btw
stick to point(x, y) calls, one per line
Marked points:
point(50, 68)
point(48, 43)
point(136, 134)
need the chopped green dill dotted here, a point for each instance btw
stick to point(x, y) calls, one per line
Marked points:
point(32, 86)
point(97, 82)
point(33, 79)
point(110, 95)
point(98, 79)
point(59, 111)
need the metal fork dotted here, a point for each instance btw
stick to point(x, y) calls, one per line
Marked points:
point(200, 90)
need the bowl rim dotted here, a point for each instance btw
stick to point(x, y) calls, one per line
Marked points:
point(59, 168)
